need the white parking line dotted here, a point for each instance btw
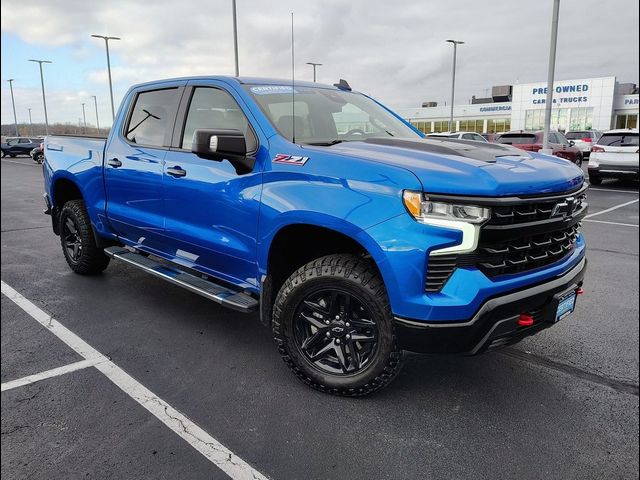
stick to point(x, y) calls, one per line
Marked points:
point(54, 372)
point(212, 449)
point(22, 163)
point(613, 223)
point(592, 189)
point(612, 208)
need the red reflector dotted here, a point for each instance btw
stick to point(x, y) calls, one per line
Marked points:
point(525, 320)
point(587, 139)
point(580, 291)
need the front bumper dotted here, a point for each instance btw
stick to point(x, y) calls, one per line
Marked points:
point(495, 323)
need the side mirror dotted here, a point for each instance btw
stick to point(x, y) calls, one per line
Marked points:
point(571, 143)
point(218, 145)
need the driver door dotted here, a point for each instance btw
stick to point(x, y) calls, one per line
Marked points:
point(211, 211)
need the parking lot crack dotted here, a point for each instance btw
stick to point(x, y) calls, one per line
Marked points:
point(600, 379)
point(14, 429)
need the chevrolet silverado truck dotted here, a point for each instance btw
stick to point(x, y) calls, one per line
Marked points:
point(352, 235)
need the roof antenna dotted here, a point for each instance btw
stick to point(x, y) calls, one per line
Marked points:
point(293, 86)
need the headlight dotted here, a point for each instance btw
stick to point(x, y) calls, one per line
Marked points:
point(423, 208)
point(466, 218)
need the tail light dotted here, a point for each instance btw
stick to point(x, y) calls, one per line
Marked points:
point(587, 139)
point(596, 148)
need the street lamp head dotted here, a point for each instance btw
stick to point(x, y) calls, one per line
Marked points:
point(40, 61)
point(106, 37)
point(10, 80)
point(457, 42)
point(316, 64)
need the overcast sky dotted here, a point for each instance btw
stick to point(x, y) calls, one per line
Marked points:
point(393, 50)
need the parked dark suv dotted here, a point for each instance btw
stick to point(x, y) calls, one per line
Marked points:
point(19, 146)
point(532, 142)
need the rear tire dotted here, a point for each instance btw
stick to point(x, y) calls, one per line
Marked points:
point(77, 240)
point(595, 179)
point(39, 157)
point(318, 314)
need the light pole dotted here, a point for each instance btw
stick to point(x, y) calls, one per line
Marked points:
point(84, 119)
point(235, 36)
point(551, 73)
point(30, 123)
point(15, 119)
point(95, 102)
point(106, 44)
point(453, 79)
point(44, 98)
point(314, 65)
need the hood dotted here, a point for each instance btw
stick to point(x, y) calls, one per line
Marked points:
point(462, 167)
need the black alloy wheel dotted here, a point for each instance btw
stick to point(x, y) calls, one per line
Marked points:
point(333, 325)
point(71, 239)
point(78, 242)
point(334, 330)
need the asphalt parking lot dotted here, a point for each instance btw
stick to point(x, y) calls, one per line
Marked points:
point(177, 387)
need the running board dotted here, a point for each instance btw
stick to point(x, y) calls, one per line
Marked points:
point(226, 297)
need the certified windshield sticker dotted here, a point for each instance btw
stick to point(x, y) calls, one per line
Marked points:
point(273, 89)
point(290, 159)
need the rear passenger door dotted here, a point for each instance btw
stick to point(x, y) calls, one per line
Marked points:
point(211, 211)
point(134, 167)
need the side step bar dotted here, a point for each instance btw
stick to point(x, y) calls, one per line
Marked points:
point(226, 297)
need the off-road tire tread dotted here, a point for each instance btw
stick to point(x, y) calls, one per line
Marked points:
point(349, 267)
point(93, 259)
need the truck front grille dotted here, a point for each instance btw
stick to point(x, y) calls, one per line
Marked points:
point(520, 237)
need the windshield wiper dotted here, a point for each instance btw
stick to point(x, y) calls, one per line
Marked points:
point(325, 144)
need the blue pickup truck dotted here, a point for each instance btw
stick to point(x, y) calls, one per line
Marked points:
point(351, 234)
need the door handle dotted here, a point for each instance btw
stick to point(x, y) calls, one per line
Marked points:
point(114, 162)
point(176, 172)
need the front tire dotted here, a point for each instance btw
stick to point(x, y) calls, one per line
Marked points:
point(77, 240)
point(334, 329)
point(38, 158)
point(579, 160)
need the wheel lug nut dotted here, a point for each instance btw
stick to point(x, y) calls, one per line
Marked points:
point(338, 341)
point(327, 322)
point(337, 317)
point(348, 336)
point(328, 334)
point(347, 324)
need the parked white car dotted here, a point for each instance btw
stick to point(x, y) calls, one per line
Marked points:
point(584, 139)
point(459, 135)
point(615, 155)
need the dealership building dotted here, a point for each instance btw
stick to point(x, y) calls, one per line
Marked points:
point(588, 103)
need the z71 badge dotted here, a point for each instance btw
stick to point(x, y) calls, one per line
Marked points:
point(290, 159)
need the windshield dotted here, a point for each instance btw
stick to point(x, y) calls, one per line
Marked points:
point(516, 138)
point(322, 116)
point(577, 135)
point(619, 140)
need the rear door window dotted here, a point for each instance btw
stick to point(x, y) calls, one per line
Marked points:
point(619, 140)
point(151, 120)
